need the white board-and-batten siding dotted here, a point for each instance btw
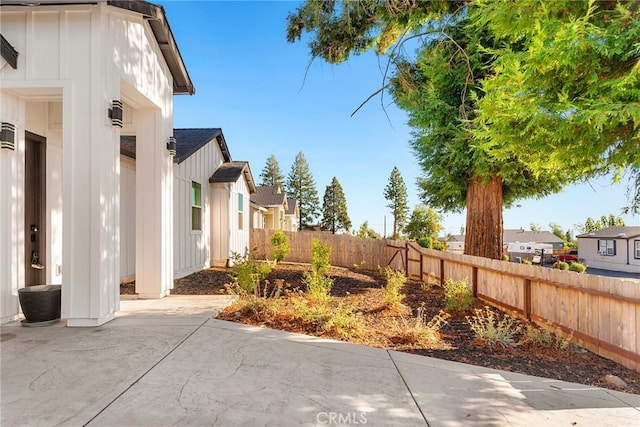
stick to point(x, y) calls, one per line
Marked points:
point(192, 249)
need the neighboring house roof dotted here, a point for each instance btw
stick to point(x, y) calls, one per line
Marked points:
point(268, 195)
point(231, 171)
point(155, 16)
point(612, 232)
point(291, 206)
point(519, 235)
point(188, 141)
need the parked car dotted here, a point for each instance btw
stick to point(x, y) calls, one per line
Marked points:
point(570, 257)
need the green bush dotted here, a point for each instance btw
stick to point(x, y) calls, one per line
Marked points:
point(391, 291)
point(425, 242)
point(320, 256)
point(279, 246)
point(578, 267)
point(527, 261)
point(318, 287)
point(248, 273)
point(457, 295)
point(561, 265)
point(486, 327)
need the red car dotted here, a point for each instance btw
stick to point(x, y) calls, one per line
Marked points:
point(570, 257)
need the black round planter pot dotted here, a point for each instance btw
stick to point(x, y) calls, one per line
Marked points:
point(40, 303)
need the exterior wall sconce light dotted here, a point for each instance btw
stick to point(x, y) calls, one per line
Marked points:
point(7, 136)
point(171, 146)
point(115, 113)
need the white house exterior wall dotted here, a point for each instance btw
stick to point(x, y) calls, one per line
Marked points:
point(623, 260)
point(84, 56)
point(193, 248)
point(239, 237)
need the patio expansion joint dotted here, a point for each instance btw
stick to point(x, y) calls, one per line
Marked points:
point(146, 372)
point(407, 387)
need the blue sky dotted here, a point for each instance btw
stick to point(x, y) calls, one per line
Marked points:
point(251, 83)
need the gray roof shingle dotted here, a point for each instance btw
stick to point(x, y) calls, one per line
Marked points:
point(267, 195)
point(291, 206)
point(613, 232)
point(188, 141)
point(519, 235)
point(231, 172)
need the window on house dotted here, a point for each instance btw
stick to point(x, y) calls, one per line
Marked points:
point(240, 212)
point(196, 206)
point(607, 247)
point(636, 251)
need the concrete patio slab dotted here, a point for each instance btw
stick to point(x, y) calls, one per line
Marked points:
point(167, 362)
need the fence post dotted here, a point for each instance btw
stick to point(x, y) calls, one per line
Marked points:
point(527, 299)
point(442, 271)
point(421, 272)
point(474, 281)
point(406, 258)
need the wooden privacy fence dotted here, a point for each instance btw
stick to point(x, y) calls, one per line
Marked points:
point(347, 251)
point(601, 313)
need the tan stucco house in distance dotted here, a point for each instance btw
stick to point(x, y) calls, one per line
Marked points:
point(612, 248)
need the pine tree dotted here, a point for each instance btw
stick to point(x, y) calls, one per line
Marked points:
point(301, 186)
point(396, 193)
point(271, 174)
point(366, 232)
point(334, 208)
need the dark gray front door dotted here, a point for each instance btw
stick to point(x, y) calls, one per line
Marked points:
point(34, 209)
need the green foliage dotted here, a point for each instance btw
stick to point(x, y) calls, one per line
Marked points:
point(591, 225)
point(423, 222)
point(578, 267)
point(301, 186)
point(457, 295)
point(561, 265)
point(279, 246)
point(396, 193)
point(334, 209)
point(426, 242)
point(248, 273)
point(546, 337)
point(487, 327)
point(391, 293)
point(557, 231)
point(318, 287)
point(271, 174)
point(320, 257)
point(527, 261)
point(367, 233)
point(341, 320)
point(633, 192)
point(565, 80)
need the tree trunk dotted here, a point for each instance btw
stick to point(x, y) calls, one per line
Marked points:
point(484, 218)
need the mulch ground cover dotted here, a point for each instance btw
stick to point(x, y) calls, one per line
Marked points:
point(363, 291)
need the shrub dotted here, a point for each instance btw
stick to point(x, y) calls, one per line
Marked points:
point(320, 256)
point(561, 265)
point(546, 337)
point(391, 291)
point(457, 295)
point(505, 257)
point(425, 242)
point(279, 246)
point(487, 328)
point(578, 267)
point(423, 332)
point(341, 321)
point(438, 246)
point(318, 287)
point(248, 273)
point(527, 261)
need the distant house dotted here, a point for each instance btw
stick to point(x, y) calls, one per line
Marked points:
point(292, 215)
point(510, 237)
point(613, 248)
point(271, 210)
point(210, 202)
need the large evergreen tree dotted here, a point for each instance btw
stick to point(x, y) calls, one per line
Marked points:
point(334, 208)
point(396, 193)
point(475, 152)
point(271, 174)
point(367, 232)
point(301, 186)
